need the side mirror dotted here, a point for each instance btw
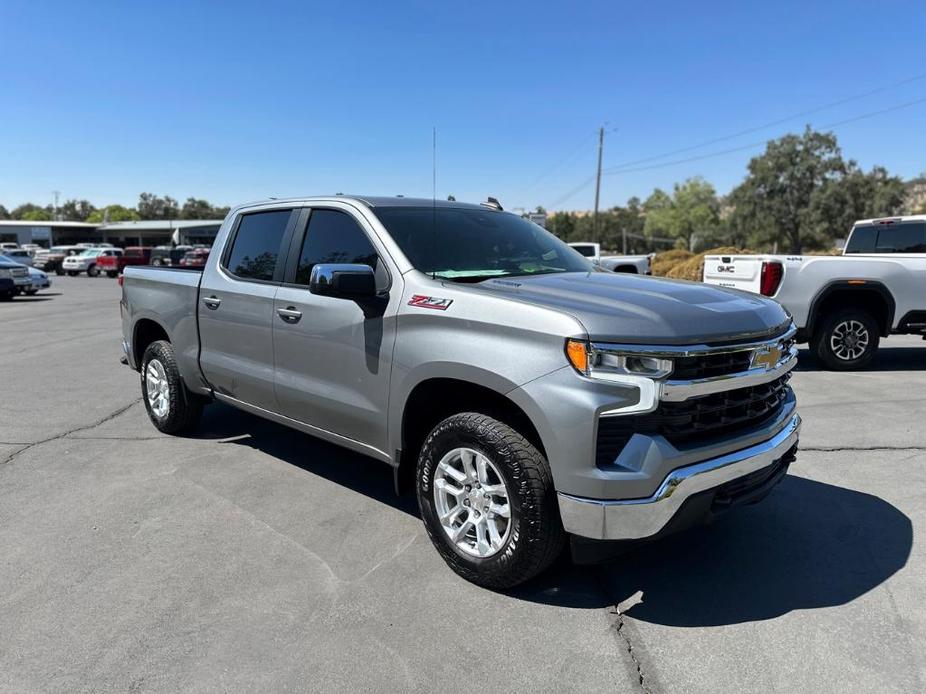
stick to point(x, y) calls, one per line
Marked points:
point(343, 281)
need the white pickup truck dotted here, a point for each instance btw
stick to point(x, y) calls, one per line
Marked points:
point(843, 305)
point(634, 264)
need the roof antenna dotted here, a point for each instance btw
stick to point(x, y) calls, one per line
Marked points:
point(433, 202)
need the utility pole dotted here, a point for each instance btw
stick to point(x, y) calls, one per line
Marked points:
point(54, 215)
point(598, 182)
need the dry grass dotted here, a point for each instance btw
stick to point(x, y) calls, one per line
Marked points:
point(663, 262)
point(693, 268)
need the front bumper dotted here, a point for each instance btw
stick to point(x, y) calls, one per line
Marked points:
point(633, 519)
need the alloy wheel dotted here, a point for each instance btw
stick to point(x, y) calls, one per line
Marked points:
point(849, 340)
point(158, 388)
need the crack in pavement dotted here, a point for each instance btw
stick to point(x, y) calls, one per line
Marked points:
point(83, 427)
point(619, 629)
point(833, 449)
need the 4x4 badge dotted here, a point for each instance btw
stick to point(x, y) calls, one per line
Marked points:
point(422, 301)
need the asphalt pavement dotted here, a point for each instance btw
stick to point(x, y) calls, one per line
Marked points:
point(253, 558)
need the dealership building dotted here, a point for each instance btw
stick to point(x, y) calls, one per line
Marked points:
point(141, 233)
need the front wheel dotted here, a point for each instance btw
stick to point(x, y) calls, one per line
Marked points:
point(171, 407)
point(847, 340)
point(93, 271)
point(487, 501)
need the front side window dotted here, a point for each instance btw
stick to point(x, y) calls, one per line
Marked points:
point(333, 236)
point(471, 245)
point(256, 247)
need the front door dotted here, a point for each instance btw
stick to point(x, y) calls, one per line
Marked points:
point(333, 356)
point(236, 308)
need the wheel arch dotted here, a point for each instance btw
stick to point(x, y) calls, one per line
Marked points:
point(144, 332)
point(433, 400)
point(872, 296)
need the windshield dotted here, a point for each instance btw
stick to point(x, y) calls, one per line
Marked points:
point(587, 250)
point(469, 245)
point(91, 251)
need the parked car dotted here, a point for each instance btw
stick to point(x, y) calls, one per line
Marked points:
point(633, 264)
point(52, 260)
point(88, 261)
point(87, 244)
point(14, 278)
point(112, 264)
point(843, 305)
point(8, 245)
point(195, 258)
point(523, 394)
point(19, 255)
point(168, 255)
point(40, 280)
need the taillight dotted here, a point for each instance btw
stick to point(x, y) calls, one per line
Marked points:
point(121, 279)
point(770, 278)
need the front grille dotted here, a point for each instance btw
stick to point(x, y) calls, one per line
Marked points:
point(710, 365)
point(697, 419)
point(20, 272)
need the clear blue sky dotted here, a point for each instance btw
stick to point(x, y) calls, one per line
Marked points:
point(234, 101)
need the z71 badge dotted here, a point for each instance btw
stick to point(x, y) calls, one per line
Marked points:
point(422, 301)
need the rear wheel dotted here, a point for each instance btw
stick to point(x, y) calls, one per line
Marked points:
point(847, 340)
point(112, 273)
point(487, 501)
point(171, 407)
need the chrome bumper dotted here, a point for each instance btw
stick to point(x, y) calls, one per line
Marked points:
point(631, 519)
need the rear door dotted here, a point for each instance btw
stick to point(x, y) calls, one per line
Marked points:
point(737, 272)
point(236, 307)
point(333, 356)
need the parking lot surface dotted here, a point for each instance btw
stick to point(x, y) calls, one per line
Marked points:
point(254, 558)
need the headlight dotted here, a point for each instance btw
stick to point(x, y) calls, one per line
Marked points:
point(6, 274)
point(606, 365)
point(639, 371)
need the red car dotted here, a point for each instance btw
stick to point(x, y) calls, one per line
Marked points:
point(113, 265)
point(195, 258)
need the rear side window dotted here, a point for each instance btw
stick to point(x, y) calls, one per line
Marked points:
point(256, 247)
point(862, 240)
point(334, 237)
point(902, 238)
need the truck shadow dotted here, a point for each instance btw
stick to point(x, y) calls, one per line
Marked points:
point(345, 468)
point(808, 545)
point(887, 359)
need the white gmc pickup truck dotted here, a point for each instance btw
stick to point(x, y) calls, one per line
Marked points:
point(843, 305)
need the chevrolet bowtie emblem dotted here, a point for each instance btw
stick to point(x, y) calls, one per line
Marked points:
point(766, 356)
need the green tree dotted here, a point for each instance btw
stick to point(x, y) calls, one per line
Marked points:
point(150, 206)
point(855, 195)
point(4, 213)
point(113, 213)
point(690, 214)
point(32, 212)
point(195, 208)
point(775, 203)
point(76, 210)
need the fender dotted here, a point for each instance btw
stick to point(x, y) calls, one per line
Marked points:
point(850, 285)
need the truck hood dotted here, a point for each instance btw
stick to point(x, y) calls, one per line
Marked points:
point(620, 307)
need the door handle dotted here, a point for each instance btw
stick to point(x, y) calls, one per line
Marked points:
point(212, 302)
point(290, 314)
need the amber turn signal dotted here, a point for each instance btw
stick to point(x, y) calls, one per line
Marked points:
point(577, 353)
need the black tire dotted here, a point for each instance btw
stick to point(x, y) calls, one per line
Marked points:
point(93, 271)
point(72, 273)
point(31, 292)
point(112, 274)
point(833, 342)
point(535, 537)
point(6, 296)
point(157, 262)
point(59, 271)
point(184, 408)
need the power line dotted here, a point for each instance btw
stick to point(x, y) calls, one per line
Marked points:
point(753, 145)
point(626, 168)
point(773, 123)
point(565, 160)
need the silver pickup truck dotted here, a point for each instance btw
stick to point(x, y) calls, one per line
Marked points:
point(527, 396)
